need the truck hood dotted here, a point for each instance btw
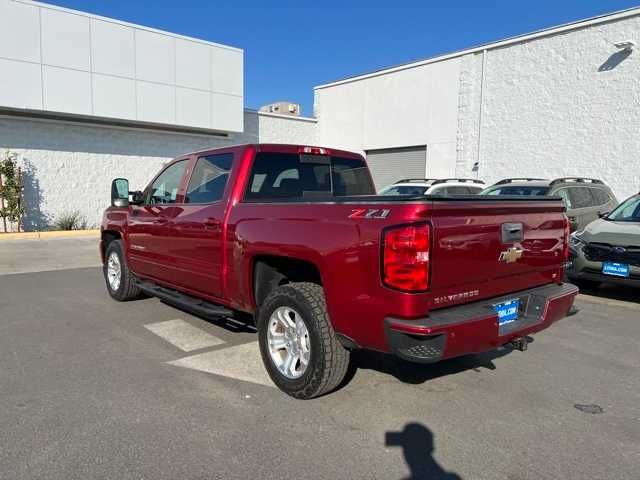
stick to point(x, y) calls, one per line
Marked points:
point(612, 233)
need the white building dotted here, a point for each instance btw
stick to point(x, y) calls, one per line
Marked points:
point(84, 99)
point(558, 102)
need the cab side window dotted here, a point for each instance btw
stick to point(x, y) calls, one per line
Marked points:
point(164, 189)
point(564, 194)
point(601, 196)
point(209, 178)
point(459, 190)
point(581, 197)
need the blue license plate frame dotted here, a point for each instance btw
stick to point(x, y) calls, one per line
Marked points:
point(508, 312)
point(615, 269)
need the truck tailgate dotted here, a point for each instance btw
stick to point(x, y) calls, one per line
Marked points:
point(509, 245)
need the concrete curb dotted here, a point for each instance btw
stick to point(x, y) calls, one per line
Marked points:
point(45, 235)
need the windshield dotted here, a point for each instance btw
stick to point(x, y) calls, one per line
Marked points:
point(404, 190)
point(628, 211)
point(520, 190)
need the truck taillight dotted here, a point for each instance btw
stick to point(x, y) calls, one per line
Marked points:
point(405, 257)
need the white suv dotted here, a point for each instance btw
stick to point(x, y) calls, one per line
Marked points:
point(433, 186)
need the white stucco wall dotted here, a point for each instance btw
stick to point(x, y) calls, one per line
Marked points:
point(561, 105)
point(415, 106)
point(561, 102)
point(468, 114)
point(69, 165)
point(274, 128)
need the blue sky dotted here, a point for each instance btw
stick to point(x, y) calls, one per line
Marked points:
point(291, 46)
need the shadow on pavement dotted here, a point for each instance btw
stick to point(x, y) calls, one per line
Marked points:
point(417, 445)
point(417, 373)
point(238, 323)
point(612, 291)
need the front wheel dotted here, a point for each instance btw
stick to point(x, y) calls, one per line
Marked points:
point(120, 281)
point(298, 345)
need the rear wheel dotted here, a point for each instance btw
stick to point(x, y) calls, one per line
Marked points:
point(119, 279)
point(298, 344)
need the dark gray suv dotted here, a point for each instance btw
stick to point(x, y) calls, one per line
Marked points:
point(586, 199)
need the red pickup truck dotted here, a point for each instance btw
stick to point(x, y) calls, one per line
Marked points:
point(294, 238)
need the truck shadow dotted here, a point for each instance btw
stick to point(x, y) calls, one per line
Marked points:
point(237, 323)
point(404, 371)
point(416, 373)
point(613, 292)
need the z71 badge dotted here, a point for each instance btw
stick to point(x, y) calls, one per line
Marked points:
point(370, 213)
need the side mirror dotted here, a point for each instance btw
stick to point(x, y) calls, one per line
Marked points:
point(603, 214)
point(137, 197)
point(120, 192)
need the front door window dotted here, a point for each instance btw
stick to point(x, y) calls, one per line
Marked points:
point(164, 189)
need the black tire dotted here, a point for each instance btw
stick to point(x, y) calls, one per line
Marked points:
point(127, 288)
point(328, 360)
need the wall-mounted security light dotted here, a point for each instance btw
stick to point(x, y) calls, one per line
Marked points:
point(625, 45)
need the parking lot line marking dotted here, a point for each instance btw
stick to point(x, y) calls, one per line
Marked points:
point(183, 335)
point(242, 362)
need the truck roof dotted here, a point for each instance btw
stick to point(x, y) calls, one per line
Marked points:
point(277, 147)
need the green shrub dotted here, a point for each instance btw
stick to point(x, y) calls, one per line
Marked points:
point(11, 201)
point(70, 221)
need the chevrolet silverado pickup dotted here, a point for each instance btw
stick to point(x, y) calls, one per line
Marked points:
point(295, 239)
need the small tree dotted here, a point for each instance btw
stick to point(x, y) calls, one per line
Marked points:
point(11, 202)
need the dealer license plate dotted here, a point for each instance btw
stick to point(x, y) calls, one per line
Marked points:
point(507, 311)
point(616, 269)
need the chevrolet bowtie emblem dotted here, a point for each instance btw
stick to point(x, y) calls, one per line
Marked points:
point(511, 255)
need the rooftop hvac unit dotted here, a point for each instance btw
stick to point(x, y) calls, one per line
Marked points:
point(282, 108)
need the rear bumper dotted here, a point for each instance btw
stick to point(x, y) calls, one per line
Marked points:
point(473, 328)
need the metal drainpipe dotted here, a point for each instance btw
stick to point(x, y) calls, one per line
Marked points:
point(484, 63)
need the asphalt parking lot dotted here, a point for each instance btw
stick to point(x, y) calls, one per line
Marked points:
point(92, 388)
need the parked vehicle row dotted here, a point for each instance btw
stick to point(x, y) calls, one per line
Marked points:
point(586, 199)
point(608, 249)
point(433, 186)
point(605, 240)
point(296, 239)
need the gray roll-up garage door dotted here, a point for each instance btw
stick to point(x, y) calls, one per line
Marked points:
point(389, 165)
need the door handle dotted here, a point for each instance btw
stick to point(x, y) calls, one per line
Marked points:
point(512, 232)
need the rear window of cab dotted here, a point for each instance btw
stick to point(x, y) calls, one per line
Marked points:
point(305, 176)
